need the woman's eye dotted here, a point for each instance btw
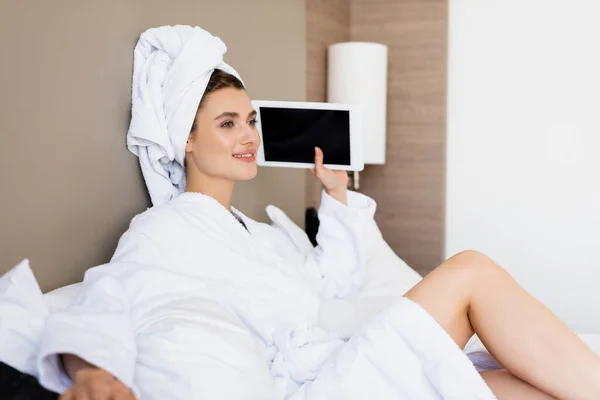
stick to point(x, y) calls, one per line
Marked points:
point(227, 124)
point(252, 122)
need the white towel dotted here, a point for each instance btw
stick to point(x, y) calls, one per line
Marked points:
point(171, 69)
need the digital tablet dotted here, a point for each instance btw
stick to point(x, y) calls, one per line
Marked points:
point(290, 131)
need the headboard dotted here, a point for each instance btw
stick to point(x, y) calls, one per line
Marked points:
point(69, 186)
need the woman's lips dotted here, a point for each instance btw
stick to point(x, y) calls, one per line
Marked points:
point(245, 157)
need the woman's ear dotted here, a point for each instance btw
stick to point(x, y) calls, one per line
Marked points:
point(188, 145)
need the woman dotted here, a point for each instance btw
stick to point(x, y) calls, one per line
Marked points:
point(195, 242)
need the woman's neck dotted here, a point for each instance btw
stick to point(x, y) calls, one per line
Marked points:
point(217, 188)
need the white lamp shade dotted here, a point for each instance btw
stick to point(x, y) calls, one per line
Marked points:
point(357, 74)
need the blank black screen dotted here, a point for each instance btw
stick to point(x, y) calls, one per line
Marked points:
point(290, 135)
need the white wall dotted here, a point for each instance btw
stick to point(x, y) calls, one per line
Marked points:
point(523, 161)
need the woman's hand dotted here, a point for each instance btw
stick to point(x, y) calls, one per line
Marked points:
point(335, 182)
point(92, 383)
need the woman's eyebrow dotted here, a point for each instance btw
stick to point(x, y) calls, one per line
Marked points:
point(228, 114)
point(231, 114)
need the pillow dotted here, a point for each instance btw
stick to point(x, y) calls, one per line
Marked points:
point(387, 274)
point(62, 297)
point(22, 317)
point(296, 234)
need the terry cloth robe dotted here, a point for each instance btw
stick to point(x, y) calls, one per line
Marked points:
point(143, 316)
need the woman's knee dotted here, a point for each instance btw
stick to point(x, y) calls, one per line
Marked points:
point(474, 265)
point(472, 256)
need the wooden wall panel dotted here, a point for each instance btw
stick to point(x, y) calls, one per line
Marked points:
point(409, 188)
point(327, 22)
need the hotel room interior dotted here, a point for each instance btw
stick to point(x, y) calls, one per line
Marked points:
point(491, 136)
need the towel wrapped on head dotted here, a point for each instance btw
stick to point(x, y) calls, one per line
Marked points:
point(171, 69)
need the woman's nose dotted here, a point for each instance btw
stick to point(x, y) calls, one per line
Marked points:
point(250, 135)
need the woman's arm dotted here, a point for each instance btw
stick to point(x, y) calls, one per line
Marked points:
point(98, 326)
point(337, 265)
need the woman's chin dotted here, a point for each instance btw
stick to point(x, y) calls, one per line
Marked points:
point(250, 173)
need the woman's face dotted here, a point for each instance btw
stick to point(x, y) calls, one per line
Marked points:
point(224, 142)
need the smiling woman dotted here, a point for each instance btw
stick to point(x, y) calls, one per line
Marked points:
point(223, 141)
point(201, 141)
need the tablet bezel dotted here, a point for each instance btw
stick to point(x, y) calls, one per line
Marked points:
point(356, 135)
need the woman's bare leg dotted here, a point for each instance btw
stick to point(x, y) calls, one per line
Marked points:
point(506, 386)
point(469, 294)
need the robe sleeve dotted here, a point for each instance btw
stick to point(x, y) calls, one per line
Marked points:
point(338, 264)
point(98, 326)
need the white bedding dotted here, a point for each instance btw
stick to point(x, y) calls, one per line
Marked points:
point(22, 316)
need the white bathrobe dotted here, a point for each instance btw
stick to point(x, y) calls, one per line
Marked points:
point(141, 316)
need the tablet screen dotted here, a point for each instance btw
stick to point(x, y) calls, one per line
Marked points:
point(291, 134)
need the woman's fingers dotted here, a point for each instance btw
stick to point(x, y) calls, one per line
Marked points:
point(122, 393)
point(318, 160)
point(96, 392)
point(97, 384)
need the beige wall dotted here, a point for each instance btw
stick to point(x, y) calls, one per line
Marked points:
point(68, 185)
